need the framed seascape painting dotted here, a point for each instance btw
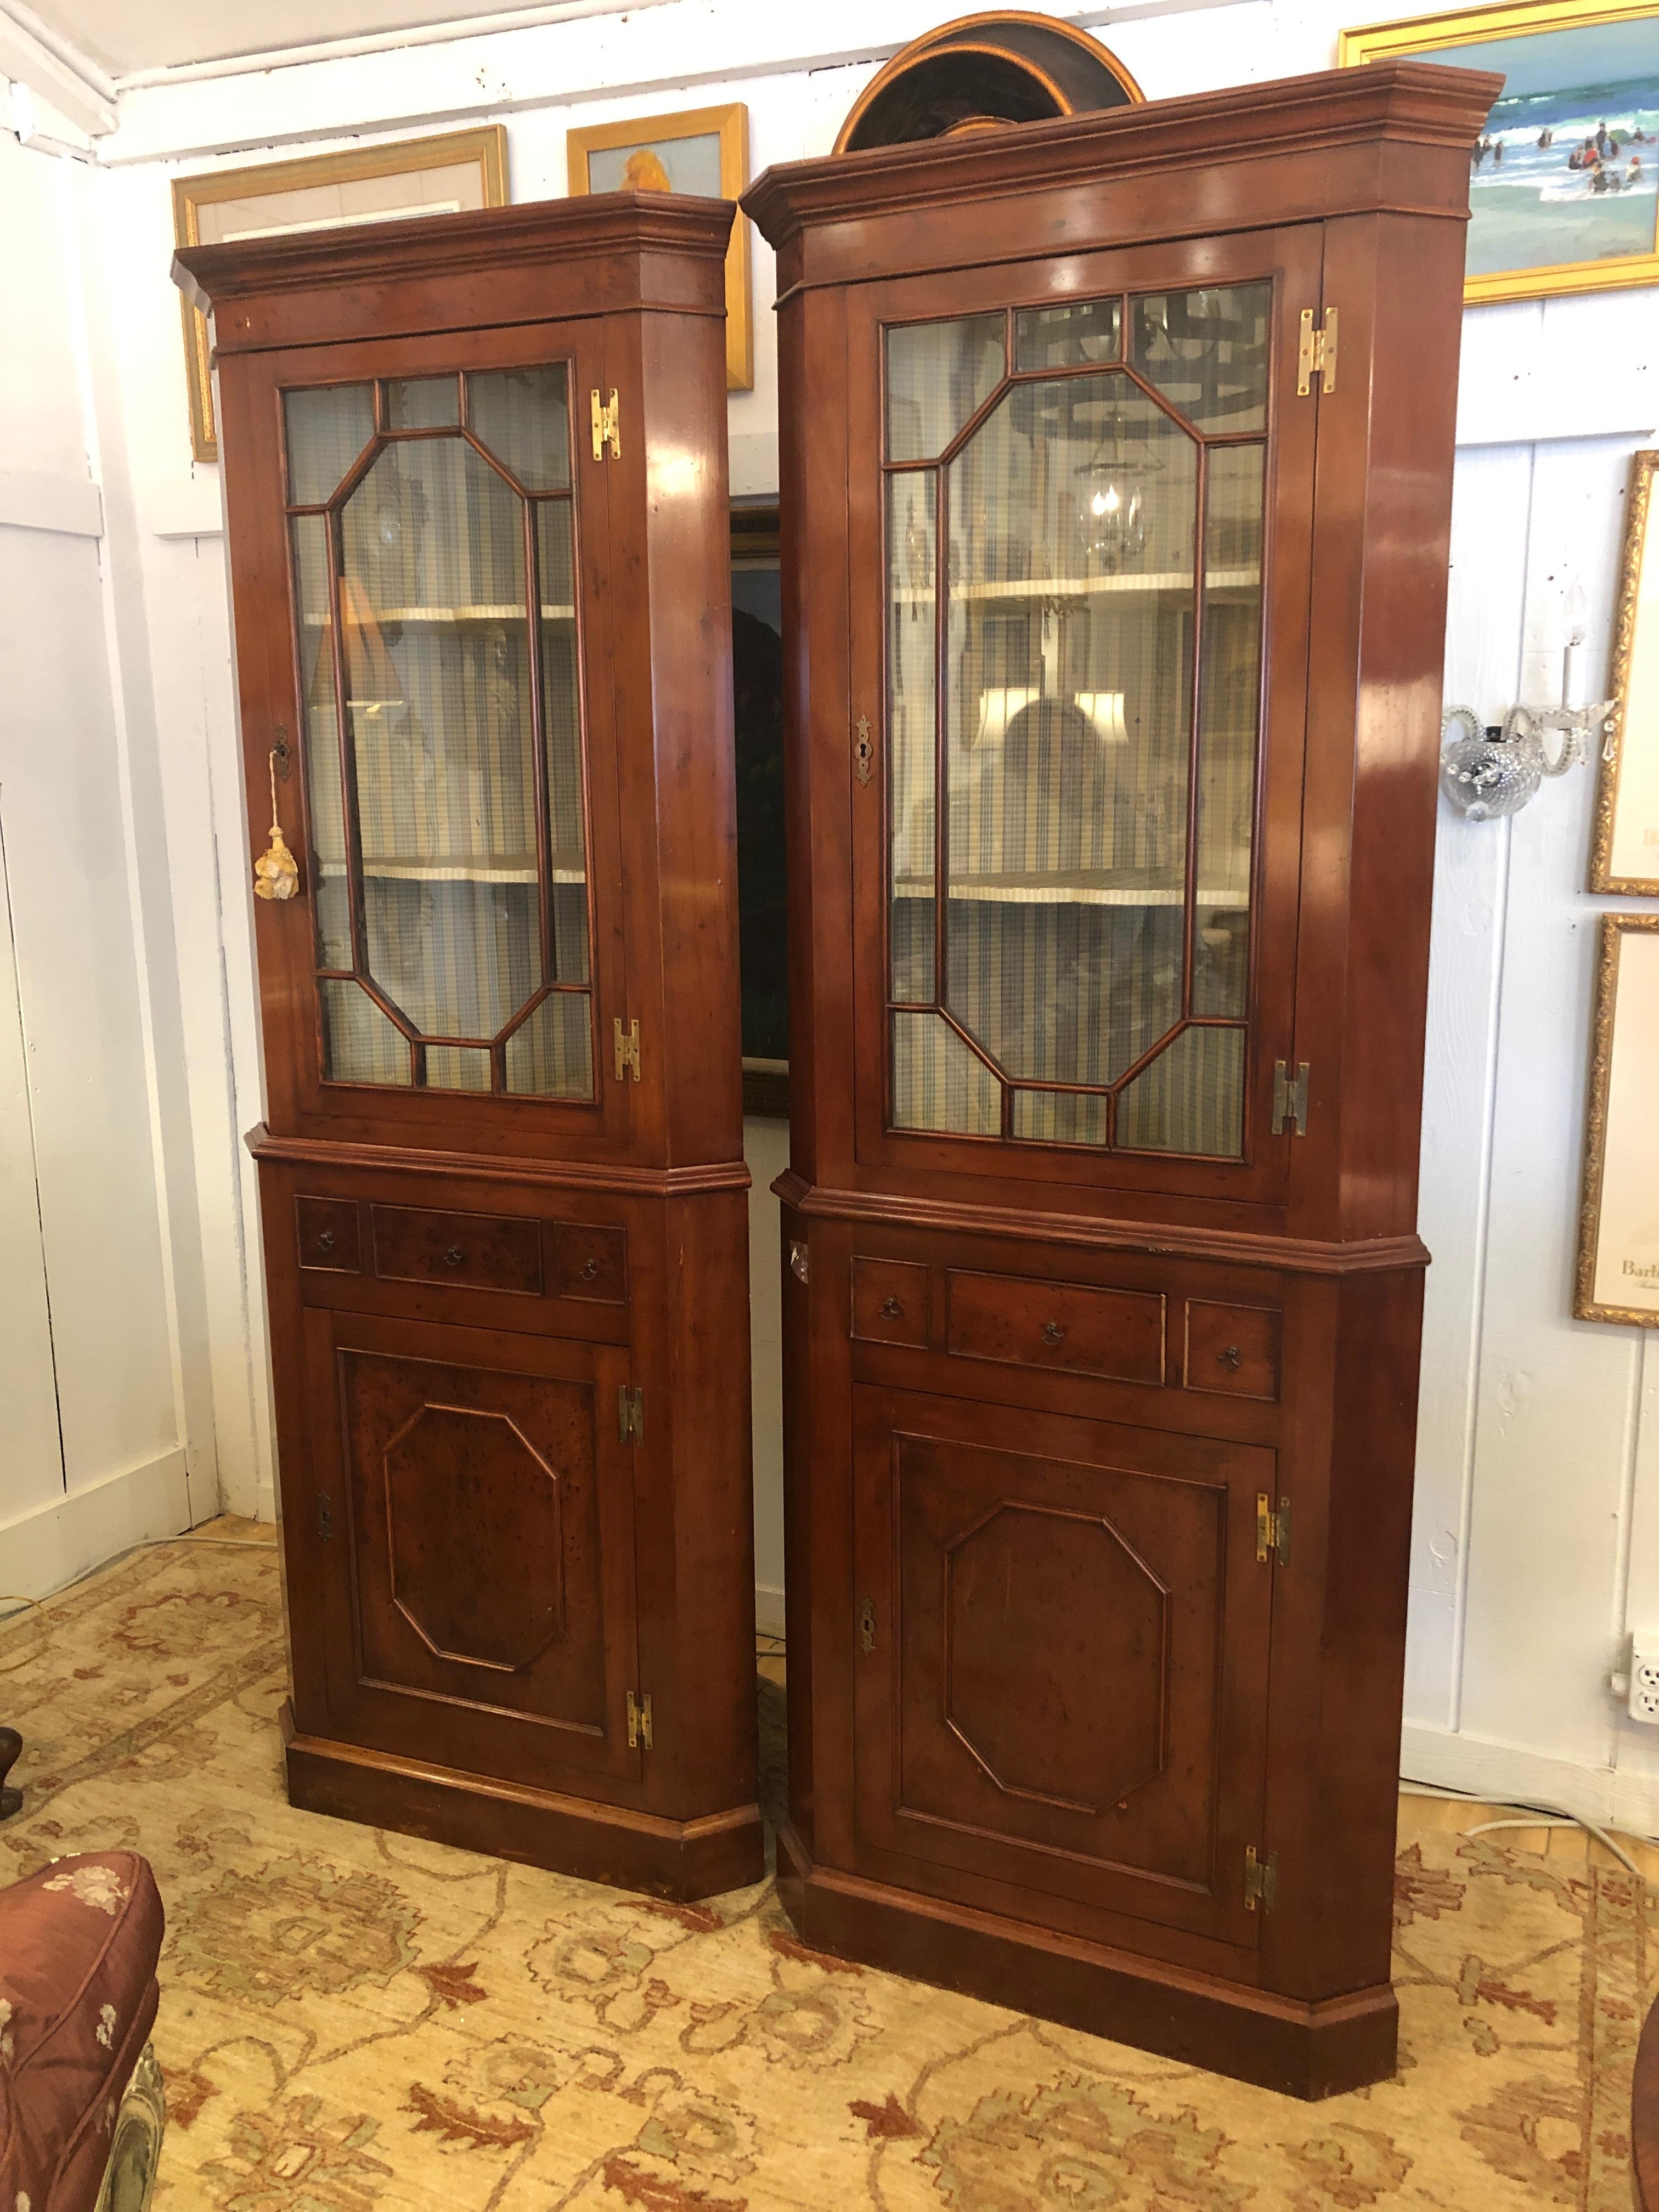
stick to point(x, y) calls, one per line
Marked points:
point(1562, 193)
point(704, 150)
point(444, 175)
point(1625, 849)
point(1619, 1220)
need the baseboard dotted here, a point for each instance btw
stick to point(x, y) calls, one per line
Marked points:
point(54, 1543)
point(1509, 1774)
point(768, 1610)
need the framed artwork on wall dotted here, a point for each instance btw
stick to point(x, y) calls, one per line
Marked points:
point(703, 150)
point(1562, 194)
point(1625, 849)
point(1618, 1218)
point(458, 170)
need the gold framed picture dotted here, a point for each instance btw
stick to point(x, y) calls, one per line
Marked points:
point(1562, 191)
point(1625, 847)
point(703, 150)
point(1618, 1278)
point(441, 175)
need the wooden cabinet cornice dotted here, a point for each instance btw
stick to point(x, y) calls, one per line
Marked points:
point(475, 490)
point(1116, 465)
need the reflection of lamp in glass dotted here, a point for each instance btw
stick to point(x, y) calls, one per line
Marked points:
point(1105, 711)
point(997, 707)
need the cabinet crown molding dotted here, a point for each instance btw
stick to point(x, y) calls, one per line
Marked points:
point(1417, 103)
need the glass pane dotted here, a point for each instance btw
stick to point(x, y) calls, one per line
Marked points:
point(912, 655)
point(328, 427)
point(1191, 1099)
point(426, 402)
point(551, 1054)
point(937, 374)
point(456, 1067)
point(1229, 693)
point(359, 1045)
point(938, 1083)
point(1060, 1117)
point(319, 741)
point(1206, 351)
point(524, 417)
point(435, 623)
point(1065, 338)
point(1072, 514)
point(561, 721)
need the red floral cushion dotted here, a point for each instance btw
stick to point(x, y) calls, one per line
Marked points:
point(78, 1946)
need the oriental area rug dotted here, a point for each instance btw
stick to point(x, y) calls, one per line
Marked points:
point(351, 2019)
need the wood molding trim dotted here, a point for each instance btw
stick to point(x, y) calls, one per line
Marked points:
point(553, 1174)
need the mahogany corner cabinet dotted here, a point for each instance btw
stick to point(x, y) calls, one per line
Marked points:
point(1116, 467)
point(476, 486)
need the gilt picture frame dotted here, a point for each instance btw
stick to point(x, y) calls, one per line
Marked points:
point(1563, 192)
point(1617, 1273)
point(1624, 841)
point(451, 171)
point(704, 150)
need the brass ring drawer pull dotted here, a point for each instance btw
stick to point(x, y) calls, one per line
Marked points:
point(590, 1268)
point(454, 1256)
point(891, 1309)
point(325, 1241)
point(1053, 1333)
point(1230, 1358)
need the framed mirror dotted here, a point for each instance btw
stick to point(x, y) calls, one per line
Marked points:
point(1625, 849)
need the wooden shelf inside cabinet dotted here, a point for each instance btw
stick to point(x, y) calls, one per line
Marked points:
point(504, 1202)
point(1109, 872)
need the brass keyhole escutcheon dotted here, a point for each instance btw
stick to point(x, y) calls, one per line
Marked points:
point(1053, 1333)
point(325, 1241)
point(590, 1268)
point(867, 1625)
point(891, 1309)
point(864, 752)
point(1230, 1358)
point(454, 1256)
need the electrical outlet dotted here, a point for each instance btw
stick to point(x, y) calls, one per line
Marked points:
point(1644, 1679)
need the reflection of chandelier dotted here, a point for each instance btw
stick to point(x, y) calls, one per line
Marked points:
point(1112, 498)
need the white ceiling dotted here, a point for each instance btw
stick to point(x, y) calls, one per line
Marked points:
point(125, 36)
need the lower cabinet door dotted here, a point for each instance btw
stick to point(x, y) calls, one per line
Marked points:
point(478, 1506)
point(1061, 1659)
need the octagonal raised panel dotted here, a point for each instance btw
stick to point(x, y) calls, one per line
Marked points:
point(475, 1534)
point(1056, 1674)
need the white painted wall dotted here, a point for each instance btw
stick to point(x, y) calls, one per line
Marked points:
point(1537, 1540)
point(96, 1377)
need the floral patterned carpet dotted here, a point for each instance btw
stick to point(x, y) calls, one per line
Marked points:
point(350, 2019)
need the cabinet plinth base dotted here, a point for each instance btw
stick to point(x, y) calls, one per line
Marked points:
point(677, 1859)
point(1309, 2051)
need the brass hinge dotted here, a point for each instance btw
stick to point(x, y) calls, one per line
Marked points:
point(864, 752)
point(628, 1048)
point(1316, 355)
point(324, 1518)
point(630, 1414)
point(1290, 1098)
point(801, 1264)
point(639, 1724)
point(1261, 1881)
point(607, 426)
point(1272, 1530)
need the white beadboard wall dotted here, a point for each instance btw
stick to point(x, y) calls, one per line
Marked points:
point(1537, 1534)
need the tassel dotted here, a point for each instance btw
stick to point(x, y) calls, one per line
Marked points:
point(275, 872)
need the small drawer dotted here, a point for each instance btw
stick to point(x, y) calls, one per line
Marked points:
point(1232, 1348)
point(889, 1302)
point(473, 1251)
point(590, 1263)
point(327, 1229)
point(1069, 1327)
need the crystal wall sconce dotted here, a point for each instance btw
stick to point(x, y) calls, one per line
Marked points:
point(1494, 770)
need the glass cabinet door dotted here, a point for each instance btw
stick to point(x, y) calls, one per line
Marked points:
point(432, 533)
point(1073, 533)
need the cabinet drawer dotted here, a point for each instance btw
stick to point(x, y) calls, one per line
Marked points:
point(327, 1231)
point(1069, 1327)
point(1232, 1348)
point(590, 1263)
point(890, 1301)
point(479, 1251)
